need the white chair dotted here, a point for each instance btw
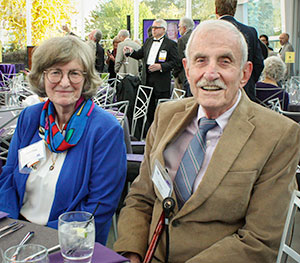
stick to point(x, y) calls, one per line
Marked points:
point(118, 109)
point(8, 121)
point(177, 94)
point(276, 106)
point(285, 249)
point(141, 108)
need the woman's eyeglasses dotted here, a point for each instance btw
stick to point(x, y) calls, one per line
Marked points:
point(55, 76)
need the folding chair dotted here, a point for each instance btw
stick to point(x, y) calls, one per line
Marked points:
point(285, 249)
point(140, 109)
point(118, 109)
point(177, 94)
point(275, 105)
point(8, 121)
point(264, 95)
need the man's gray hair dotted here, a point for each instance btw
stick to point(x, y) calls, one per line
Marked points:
point(162, 23)
point(225, 27)
point(98, 35)
point(188, 23)
point(274, 68)
point(124, 33)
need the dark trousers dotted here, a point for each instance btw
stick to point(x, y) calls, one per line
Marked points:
point(153, 103)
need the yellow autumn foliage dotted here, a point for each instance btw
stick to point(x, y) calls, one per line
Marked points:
point(47, 16)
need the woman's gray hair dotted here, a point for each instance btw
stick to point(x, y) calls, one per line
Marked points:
point(274, 68)
point(224, 26)
point(62, 50)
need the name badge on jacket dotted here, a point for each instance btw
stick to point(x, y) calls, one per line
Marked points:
point(29, 156)
point(162, 56)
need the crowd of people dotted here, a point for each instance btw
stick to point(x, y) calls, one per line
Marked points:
point(219, 166)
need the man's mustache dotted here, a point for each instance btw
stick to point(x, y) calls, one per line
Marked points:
point(215, 83)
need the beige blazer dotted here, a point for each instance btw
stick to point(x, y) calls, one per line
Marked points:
point(238, 212)
point(132, 67)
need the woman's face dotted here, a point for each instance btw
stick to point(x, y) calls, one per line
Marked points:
point(64, 93)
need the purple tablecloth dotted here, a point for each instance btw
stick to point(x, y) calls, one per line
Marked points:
point(101, 254)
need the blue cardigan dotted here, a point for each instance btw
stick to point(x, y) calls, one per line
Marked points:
point(94, 170)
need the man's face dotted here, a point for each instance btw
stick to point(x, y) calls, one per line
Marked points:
point(214, 71)
point(264, 40)
point(157, 30)
point(181, 28)
point(283, 39)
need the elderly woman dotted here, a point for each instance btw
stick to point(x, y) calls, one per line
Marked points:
point(66, 153)
point(273, 73)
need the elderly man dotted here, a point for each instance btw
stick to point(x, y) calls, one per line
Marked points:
point(225, 9)
point(186, 26)
point(159, 56)
point(124, 64)
point(232, 208)
point(286, 46)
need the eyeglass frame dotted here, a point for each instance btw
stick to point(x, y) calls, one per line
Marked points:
point(156, 27)
point(62, 75)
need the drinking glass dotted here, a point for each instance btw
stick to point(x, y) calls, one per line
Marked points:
point(30, 253)
point(76, 234)
point(127, 53)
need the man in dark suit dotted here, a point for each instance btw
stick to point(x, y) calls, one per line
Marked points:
point(159, 56)
point(225, 9)
point(186, 26)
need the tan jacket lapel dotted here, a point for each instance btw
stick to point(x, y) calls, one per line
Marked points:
point(236, 134)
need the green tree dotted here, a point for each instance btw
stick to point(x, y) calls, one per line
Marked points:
point(110, 17)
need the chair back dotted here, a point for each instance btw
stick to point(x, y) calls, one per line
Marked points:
point(275, 105)
point(8, 122)
point(177, 94)
point(293, 89)
point(104, 77)
point(263, 95)
point(285, 249)
point(118, 109)
point(140, 109)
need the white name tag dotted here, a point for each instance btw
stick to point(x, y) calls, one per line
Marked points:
point(31, 155)
point(162, 56)
point(162, 180)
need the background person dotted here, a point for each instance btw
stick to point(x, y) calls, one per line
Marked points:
point(80, 153)
point(125, 64)
point(225, 9)
point(95, 36)
point(240, 196)
point(159, 56)
point(111, 57)
point(274, 72)
point(186, 26)
point(286, 46)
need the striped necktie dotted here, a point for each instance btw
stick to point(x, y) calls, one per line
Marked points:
point(191, 162)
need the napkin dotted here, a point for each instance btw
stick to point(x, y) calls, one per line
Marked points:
point(3, 214)
point(101, 254)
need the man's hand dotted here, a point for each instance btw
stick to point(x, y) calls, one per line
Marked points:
point(134, 258)
point(127, 50)
point(154, 67)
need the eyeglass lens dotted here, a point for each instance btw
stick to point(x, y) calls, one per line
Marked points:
point(56, 75)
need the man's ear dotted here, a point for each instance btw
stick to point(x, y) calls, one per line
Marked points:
point(246, 73)
point(186, 68)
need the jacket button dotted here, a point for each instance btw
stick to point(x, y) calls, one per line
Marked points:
point(175, 223)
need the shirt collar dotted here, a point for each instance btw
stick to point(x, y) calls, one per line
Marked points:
point(223, 119)
point(160, 39)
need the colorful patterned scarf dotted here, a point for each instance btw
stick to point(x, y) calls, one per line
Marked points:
point(74, 128)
